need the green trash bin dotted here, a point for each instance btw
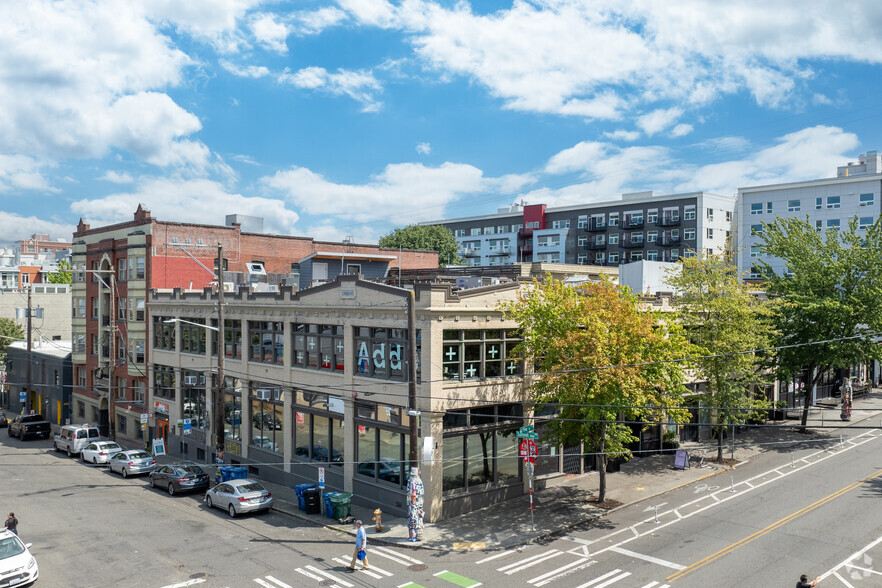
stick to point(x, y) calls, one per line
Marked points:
point(342, 504)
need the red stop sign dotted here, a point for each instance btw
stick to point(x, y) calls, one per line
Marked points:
point(528, 450)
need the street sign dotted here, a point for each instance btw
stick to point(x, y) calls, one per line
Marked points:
point(527, 432)
point(158, 447)
point(321, 478)
point(143, 418)
point(23, 397)
point(528, 450)
point(188, 427)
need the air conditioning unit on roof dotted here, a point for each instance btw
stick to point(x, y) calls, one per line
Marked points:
point(262, 394)
point(190, 380)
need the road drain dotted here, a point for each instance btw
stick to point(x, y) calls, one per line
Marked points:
point(418, 568)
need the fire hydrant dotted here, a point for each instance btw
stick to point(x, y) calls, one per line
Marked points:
point(378, 519)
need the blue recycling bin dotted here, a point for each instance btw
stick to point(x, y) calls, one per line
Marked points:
point(298, 489)
point(238, 473)
point(329, 506)
point(226, 473)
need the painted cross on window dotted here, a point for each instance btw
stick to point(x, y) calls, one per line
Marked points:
point(512, 367)
point(310, 343)
point(326, 361)
point(340, 346)
point(471, 371)
point(492, 350)
point(451, 353)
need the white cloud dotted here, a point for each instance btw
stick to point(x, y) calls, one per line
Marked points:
point(658, 120)
point(402, 194)
point(270, 33)
point(116, 177)
point(314, 22)
point(213, 21)
point(248, 71)
point(20, 172)
point(199, 201)
point(337, 233)
point(14, 227)
point(358, 85)
point(424, 148)
point(681, 130)
point(622, 135)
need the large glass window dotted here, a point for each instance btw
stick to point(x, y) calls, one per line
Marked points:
point(163, 381)
point(382, 353)
point(233, 408)
point(479, 353)
point(193, 337)
point(267, 417)
point(318, 346)
point(267, 341)
point(383, 442)
point(232, 339)
point(318, 430)
point(163, 334)
point(194, 407)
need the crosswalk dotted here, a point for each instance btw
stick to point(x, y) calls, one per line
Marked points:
point(531, 567)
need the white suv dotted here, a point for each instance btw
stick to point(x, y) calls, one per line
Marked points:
point(73, 438)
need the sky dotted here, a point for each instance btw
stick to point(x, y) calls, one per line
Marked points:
point(348, 118)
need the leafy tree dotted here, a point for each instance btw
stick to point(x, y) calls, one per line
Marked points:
point(9, 331)
point(723, 318)
point(430, 237)
point(63, 275)
point(601, 361)
point(828, 311)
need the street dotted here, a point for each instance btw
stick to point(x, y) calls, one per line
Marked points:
point(809, 508)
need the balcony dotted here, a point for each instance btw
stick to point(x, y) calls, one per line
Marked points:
point(633, 223)
point(596, 225)
point(668, 240)
point(471, 253)
point(632, 244)
point(668, 221)
point(596, 245)
point(502, 251)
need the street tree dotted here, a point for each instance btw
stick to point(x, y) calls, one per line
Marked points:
point(63, 275)
point(9, 332)
point(428, 237)
point(828, 312)
point(724, 320)
point(601, 362)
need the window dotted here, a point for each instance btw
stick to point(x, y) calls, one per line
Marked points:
point(710, 233)
point(652, 215)
point(689, 253)
point(614, 219)
point(614, 257)
point(193, 337)
point(652, 255)
point(768, 207)
point(479, 444)
point(475, 231)
point(582, 258)
point(548, 241)
point(794, 206)
point(502, 229)
point(728, 216)
point(754, 250)
point(459, 232)
point(651, 236)
point(515, 228)
point(318, 346)
point(833, 224)
point(267, 417)
point(756, 230)
point(865, 222)
point(382, 353)
point(689, 213)
point(582, 222)
point(710, 214)
point(122, 269)
point(81, 378)
point(819, 225)
point(163, 334)
point(614, 239)
point(121, 310)
point(756, 208)
point(636, 255)
point(163, 381)
point(689, 234)
point(476, 353)
point(95, 307)
point(136, 309)
point(138, 348)
point(599, 258)
point(555, 224)
point(833, 201)
point(80, 308)
point(754, 272)
point(80, 345)
point(819, 203)
point(548, 257)
point(867, 199)
point(121, 424)
point(267, 341)
point(489, 230)
point(94, 345)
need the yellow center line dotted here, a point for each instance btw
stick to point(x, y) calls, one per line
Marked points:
point(726, 550)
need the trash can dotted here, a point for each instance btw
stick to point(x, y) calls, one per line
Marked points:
point(226, 473)
point(238, 473)
point(341, 503)
point(311, 501)
point(329, 506)
point(298, 489)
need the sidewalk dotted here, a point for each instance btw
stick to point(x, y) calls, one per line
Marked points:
point(563, 503)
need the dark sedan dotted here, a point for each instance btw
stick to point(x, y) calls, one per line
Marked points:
point(179, 478)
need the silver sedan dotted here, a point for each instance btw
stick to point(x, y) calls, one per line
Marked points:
point(239, 496)
point(133, 461)
point(99, 451)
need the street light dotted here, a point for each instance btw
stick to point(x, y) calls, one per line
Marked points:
point(177, 320)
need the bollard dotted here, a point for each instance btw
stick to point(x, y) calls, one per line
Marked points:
point(732, 478)
point(656, 513)
point(793, 465)
point(378, 519)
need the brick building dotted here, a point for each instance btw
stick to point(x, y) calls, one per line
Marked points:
point(42, 244)
point(117, 265)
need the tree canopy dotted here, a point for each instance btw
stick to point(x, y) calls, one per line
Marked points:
point(9, 331)
point(829, 296)
point(63, 275)
point(430, 237)
point(601, 362)
point(723, 319)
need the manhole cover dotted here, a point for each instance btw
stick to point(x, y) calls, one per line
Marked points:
point(418, 568)
point(326, 583)
point(197, 576)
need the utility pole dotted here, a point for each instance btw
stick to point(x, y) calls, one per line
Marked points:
point(411, 378)
point(111, 331)
point(29, 396)
point(219, 391)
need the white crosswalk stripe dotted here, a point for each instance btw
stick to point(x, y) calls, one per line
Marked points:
point(561, 571)
point(337, 581)
point(373, 571)
point(394, 556)
point(529, 562)
point(608, 582)
point(497, 556)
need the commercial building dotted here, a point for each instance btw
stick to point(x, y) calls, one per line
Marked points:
point(116, 267)
point(50, 377)
point(638, 226)
point(828, 204)
point(318, 378)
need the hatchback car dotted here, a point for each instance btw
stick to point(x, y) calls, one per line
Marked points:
point(17, 566)
point(133, 461)
point(99, 452)
point(239, 496)
point(179, 478)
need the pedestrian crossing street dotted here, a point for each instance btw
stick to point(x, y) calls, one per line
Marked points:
point(388, 567)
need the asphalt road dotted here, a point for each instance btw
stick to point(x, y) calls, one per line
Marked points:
point(805, 509)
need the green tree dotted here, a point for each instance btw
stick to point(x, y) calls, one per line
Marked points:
point(723, 318)
point(9, 331)
point(63, 275)
point(828, 310)
point(429, 237)
point(601, 362)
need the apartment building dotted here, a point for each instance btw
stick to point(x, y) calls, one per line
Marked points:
point(116, 267)
point(639, 226)
point(828, 204)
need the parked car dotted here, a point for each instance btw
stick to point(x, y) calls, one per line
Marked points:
point(133, 461)
point(29, 425)
point(99, 452)
point(4, 422)
point(390, 470)
point(72, 438)
point(179, 478)
point(319, 453)
point(239, 496)
point(17, 566)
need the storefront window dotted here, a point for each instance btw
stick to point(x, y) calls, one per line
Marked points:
point(321, 439)
point(453, 477)
point(267, 423)
point(233, 416)
point(337, 442)
point(507, 456)
point(366, 451)
point(480, 459)
point(194, 399)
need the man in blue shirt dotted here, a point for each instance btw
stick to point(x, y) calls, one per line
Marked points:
point(360, 543)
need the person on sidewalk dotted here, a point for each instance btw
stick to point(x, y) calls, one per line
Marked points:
point(804, 583)
point(360, 545)
point(12, 523)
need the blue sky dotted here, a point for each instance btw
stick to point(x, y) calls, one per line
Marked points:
point(351, 117)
